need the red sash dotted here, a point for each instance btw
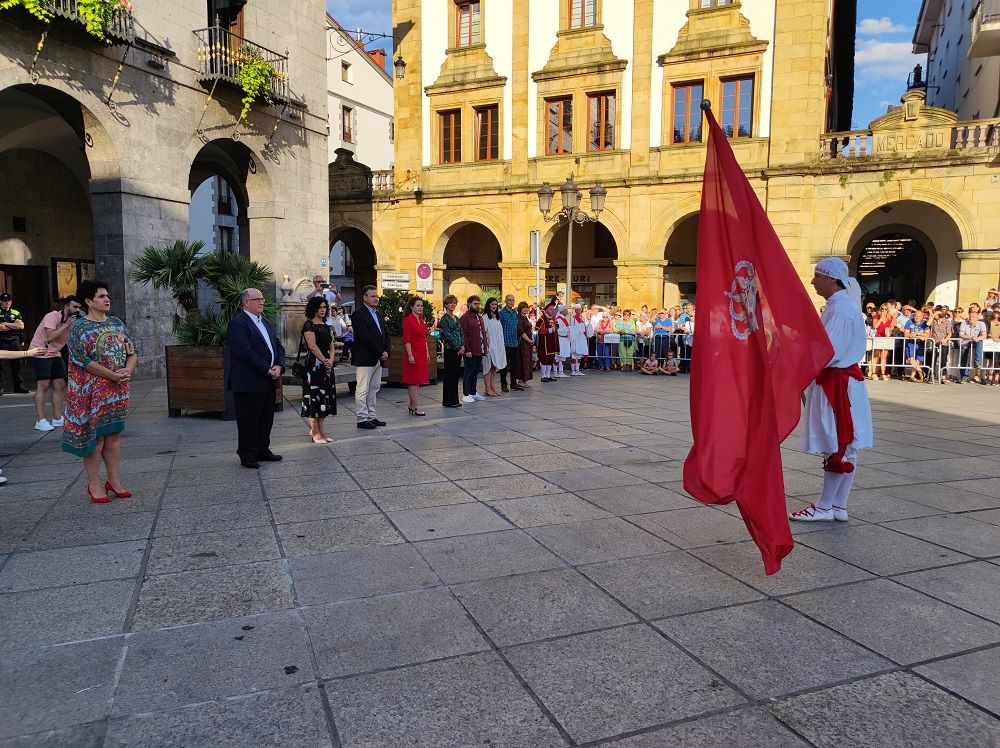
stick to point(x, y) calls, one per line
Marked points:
point(834, 383)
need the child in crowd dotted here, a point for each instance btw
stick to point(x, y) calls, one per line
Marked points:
point(651, 365)
point(670, 365)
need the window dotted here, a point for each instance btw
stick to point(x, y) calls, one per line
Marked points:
point(488, 133)
point(392, 131)
point(582, 13)
point(345, 72)
point(687, 112)
point(227, 239)
point(714, 3)
point(468, 26)
point(225, 201)
point(347, 129)
point(737, 107)
point(559, 126)
point(450, 125)
point(601, 127)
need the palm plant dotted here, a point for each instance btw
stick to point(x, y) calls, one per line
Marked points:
point(180, 268)
point(177, 267)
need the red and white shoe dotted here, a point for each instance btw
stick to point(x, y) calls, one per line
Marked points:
point(813, 513)
point(840, 513)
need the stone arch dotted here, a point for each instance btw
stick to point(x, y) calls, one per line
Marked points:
point(471, 260)
point(609, 219)
point(352, 263)
point(441, 231)
point(933, 226)
point(667, 223)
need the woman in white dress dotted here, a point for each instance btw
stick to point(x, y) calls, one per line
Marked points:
point(496, 355)
point(565, 347)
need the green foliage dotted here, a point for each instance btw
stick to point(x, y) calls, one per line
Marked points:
point(394, 305)
point(177, 267)
point(843, 179)
point(38, 8)
point(256, 77)
point(886, 177)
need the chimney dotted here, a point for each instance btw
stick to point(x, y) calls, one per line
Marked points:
point(379, 56)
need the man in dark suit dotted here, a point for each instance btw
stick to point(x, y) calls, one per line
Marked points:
point(257, 360)
point(371, 350)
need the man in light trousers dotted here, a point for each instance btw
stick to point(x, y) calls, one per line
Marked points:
point(371, 351)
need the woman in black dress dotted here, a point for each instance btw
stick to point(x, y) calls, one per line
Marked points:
point(319, 387)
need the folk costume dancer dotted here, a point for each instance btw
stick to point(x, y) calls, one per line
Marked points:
point(838, 417)
point(579, 331)
point(565, 350)
point(548, 341)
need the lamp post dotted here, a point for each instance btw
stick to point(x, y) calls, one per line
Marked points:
point(571, 213)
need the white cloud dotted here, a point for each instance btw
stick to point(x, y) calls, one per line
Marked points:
point(876, 26)
point(876, 59)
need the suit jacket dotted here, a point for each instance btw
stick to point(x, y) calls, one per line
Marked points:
point(369, 342)
point(249, 358)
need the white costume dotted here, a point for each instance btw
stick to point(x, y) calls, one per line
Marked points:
point(563, 331)
point(497, 354)
point(845, 327)
point(578, 334)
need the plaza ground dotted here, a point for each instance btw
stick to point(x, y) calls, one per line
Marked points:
point(526, 571)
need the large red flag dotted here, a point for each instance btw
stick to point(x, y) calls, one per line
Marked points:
point(758, 343)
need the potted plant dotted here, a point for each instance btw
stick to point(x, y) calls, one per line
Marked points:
point(393, 306)
point(197, 366)
point(256, 77)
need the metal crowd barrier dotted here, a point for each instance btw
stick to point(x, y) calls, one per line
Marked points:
point(954, 359)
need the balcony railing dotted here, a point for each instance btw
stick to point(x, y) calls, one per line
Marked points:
point(121, 29)
point(986, 30)
point(220, 53)
point(383, 181)
point(836, 146)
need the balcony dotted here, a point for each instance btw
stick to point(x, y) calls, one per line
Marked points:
point(383, 180)
point(965, 138)
point(220, 54)
point(986, 30)
point(121, 30)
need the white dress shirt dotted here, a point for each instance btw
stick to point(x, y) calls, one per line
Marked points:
point(259, 324)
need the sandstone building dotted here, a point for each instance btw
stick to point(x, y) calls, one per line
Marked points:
point(102, 146)
point(500, 97)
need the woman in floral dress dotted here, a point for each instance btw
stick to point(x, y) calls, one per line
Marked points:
point(101, 360)
point(319, 384)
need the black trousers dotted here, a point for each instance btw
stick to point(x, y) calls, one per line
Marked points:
point(254, 417)
point(17, 383)
point(513, 366)
point(449, 390)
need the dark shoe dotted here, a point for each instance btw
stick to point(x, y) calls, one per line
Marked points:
point(269, 458)
point(503, 388)
point(517, 388)
point(377, 422)
point(249, 464)
point(22, 391)
point(455, 405)
point(366, 425)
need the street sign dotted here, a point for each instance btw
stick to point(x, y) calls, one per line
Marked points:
point(425, 276)
point(395, 285)
point(397, 277)
point(532, 290)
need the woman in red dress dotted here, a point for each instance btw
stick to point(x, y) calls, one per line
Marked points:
point(548, 341)
point(417, 355)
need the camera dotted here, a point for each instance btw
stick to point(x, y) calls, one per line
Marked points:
point(325, 285)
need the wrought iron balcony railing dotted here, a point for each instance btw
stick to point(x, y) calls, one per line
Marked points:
point(222, 53)
point(120, 30)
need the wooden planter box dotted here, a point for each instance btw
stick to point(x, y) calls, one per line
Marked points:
point(196, 380)
point(394, 370)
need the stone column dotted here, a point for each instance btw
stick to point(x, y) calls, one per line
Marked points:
point(640, 282)
point(978, 270)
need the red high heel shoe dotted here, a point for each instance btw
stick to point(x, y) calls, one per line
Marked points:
point(98, 499)
point(123, 494)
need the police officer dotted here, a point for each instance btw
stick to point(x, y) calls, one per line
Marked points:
point(11, 327)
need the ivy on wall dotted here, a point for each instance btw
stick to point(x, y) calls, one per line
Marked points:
point(97, 16)
point(256, 77)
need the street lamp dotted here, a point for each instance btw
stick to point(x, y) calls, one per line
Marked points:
point(571, 213)
point(399, 65)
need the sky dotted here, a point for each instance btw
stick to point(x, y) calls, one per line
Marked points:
point(883, 56)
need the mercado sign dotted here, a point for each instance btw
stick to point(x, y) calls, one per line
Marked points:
point(918, 140)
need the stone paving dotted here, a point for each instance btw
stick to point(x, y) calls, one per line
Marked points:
point(522, 572)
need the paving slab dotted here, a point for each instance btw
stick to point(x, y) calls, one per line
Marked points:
point(879, 550)
point(190, 520)
point(286, 717)
point(532, 511)
point(605, 683)
point(887, 711)
point(473, 700)
point(745, 728)
point(54, 687)
point(529, 607)
point(340, 534)
point(174, 667)
point(766, 649)
point(958, 532)
point(974, 587)
point(321, 505)
point(358, 636)
point(362, 572)
point(399, 498)
point(870, 612)
point(61, 567)
point(466, 558)
point(210, 594)
point(694, 526)
point(447, 521)
point(972, 676)
point(207, 549)
point(90, 530)
point(598, 540)
point(636, 499)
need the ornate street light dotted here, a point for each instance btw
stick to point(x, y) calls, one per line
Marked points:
point(571, 214)
point(399, 65)
point(363, 38)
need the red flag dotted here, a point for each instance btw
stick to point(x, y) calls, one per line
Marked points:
point(758, 343)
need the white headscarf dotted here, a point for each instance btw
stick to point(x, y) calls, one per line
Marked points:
point(834, 267)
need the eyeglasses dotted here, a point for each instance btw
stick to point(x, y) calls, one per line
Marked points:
point(255, 298)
